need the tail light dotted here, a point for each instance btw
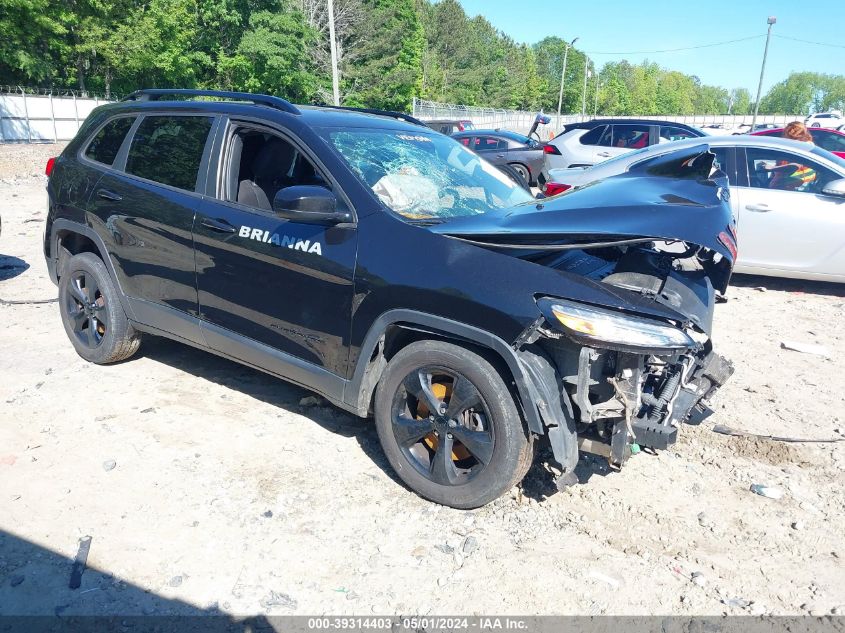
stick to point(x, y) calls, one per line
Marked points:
point(554, 188)
point(729, 243)
point(51, 162)
point(551, 149)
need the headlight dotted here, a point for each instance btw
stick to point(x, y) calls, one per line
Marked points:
point(607, 328)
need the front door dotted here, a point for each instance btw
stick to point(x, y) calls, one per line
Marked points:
point(264, 282)
point(785, 222)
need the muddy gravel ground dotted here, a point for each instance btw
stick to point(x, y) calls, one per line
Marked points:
point(207, 487)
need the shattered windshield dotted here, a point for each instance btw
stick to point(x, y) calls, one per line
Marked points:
point(425, 176)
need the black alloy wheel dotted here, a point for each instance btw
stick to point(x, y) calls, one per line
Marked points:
point(92, 313)
point(87, 309)
point(449, 425)
point(442, 425)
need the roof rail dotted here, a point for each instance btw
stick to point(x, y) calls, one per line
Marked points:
point(154, 94)
point(396, 115)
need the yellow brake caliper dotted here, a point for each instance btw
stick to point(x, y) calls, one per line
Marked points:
point(441, 392)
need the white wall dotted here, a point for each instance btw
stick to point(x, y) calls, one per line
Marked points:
point(39, 118)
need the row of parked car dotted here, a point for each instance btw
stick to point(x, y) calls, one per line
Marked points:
point(789, 229)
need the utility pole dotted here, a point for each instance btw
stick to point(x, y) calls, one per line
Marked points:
point(333, 46)
point(562, 75)
point(596, 102)
point(584, 93)
point(771, 21)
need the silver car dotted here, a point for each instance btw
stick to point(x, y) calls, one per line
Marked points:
point(788, 199)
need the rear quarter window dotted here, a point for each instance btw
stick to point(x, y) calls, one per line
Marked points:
point(106, 143)
point(169, 149)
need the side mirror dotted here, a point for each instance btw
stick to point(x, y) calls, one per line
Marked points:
point(309, 204)
point(835, 188)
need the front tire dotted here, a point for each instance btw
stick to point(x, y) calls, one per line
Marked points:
point(92, 315)
point(449, 425)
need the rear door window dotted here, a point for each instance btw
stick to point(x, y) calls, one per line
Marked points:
point(489, 143)
point(106, 143)
point(630, 136)
point(169, 149)
point(593, 136)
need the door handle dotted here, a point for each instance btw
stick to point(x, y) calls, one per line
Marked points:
point(109, 195)
point(500, 155)
point(760, 208)
point(221, 226)
point(604, 154)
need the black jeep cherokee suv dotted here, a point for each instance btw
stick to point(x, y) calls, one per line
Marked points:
point(391, 270)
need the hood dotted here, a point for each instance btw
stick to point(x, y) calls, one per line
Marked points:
point(679, 197)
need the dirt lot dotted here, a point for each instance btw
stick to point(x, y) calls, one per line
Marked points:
point(208, 487)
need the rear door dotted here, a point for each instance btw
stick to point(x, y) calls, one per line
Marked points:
point(782, 226)
point(621, 138)
point(492, 148)
point(145, 208)
point(268, 284)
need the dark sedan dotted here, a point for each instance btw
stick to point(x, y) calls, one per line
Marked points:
point(502, 147)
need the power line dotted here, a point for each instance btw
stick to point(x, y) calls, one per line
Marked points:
point(675, 50)
point(795, 39)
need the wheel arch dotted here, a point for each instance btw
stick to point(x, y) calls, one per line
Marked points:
point(396, 329)
point(68, 238)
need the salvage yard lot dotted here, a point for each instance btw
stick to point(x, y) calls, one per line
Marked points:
point(208, 487)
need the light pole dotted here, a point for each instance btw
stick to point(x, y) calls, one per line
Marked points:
point(333, 49)
point(596, 101)
point(562, 74)
point(584, 93)
point(771, 21)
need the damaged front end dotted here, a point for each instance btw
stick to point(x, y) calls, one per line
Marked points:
point(623, 380)
point(625, 367)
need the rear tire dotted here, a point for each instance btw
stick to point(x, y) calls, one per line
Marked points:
point(473, 448)
point(92, 314)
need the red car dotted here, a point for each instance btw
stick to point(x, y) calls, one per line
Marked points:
point(831, 140)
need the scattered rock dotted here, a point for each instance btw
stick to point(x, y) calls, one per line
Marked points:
point(16, 580)
point(442, 581)
point(770, 492)
point(310, 401)
point(839, 610)
point(280, 600)
point(470, 545)
point(704, 520)
point(737, 603)
point(148, 410)
point(268, 514)
point(109, 464)
point(419, 551)
point(459, 559)
point(806, 348)
point(797, 525)
point(175, 581)
point(445, 548)
point(698, 579)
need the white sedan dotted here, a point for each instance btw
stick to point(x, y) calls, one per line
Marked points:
point(788, 198)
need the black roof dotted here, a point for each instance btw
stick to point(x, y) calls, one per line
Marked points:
point(328, 116)
point(588, 125)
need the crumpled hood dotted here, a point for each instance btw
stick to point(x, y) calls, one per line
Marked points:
point(674, 199)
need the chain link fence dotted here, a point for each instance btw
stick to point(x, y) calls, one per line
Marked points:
point(521, 120)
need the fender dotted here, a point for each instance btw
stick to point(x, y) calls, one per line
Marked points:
point(358, 390)
point(62, 224)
